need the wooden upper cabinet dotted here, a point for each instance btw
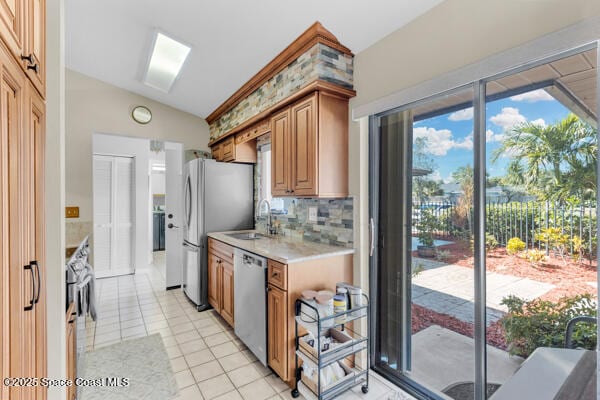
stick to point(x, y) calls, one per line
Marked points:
point(12, 25)
point(35, 44)
point(228, 149)
point(309, 148)
point(23, 30)
point(304, 148)
point(227, 301)
point(280, 154)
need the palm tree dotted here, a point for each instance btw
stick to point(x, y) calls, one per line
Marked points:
point(548, 159)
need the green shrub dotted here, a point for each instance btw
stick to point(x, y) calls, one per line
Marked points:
point(442, 255)
point(490, 242)
point(515, 245)
point(535, 256)
point(539, 323)
point(557, 240)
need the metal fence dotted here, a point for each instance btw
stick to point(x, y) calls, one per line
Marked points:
point(520, 219)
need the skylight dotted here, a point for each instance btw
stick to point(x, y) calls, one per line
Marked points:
point(168, 56)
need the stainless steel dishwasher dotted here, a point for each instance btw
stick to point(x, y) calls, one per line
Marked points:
point(250, 309)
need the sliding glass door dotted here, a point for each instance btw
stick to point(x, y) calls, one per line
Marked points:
point(483, 213)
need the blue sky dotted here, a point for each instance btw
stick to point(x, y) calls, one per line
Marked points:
point(450, 136)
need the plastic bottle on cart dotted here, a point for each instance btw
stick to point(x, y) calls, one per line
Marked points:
point(356, 299)
point(325, 308)
point(307, 314)
point(340, 306)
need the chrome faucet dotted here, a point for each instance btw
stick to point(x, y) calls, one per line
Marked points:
point(258, 214)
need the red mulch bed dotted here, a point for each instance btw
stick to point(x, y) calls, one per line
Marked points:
point(423, 318)
point(570, 277)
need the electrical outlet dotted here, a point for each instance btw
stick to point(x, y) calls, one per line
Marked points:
point(312, 213)
point(71, 212)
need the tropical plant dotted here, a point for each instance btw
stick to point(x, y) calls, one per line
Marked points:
point(578, 248)
point(515, 245)
point(535, 257)
point(555, 239)
point(424, 187)
point(462, 214)
point(532, 324)
point(426, 225)
point(554, 161)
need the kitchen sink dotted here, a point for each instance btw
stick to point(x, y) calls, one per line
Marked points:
point(246, 235)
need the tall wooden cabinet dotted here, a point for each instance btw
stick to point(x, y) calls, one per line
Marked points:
point(22, 248)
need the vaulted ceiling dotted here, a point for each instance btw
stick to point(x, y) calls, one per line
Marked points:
point(231, 40)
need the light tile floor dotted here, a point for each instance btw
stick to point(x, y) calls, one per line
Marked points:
point(208, 360)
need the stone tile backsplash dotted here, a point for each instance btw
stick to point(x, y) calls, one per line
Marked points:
point(318, 62)
point(334, 225)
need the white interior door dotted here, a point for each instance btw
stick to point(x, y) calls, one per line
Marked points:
point(173, 213)
point(113, 186)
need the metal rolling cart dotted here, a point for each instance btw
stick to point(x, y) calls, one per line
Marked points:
point(343, 328)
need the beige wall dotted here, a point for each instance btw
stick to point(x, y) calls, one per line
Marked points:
point(453, 34)
point(55, 195)
point(95, 106)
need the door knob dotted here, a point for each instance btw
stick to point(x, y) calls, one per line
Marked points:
point(171, 226)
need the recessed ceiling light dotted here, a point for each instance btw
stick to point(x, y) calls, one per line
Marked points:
point(167, 58)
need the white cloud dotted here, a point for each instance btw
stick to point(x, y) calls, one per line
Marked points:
point(533, 96)
point(439, 142)
point(508, 118)
point(435, 176)
point(540, 122)
point(462, 115)
point(490, 136)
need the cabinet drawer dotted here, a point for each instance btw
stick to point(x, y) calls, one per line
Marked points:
point(221, 249)
point(277, 274)
point(228, 149)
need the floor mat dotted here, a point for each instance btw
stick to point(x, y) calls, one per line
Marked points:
point(466, 390)
point(143, 361)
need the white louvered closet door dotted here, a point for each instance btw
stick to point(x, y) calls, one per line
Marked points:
point(114, 184)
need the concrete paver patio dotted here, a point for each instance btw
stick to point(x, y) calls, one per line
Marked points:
point(449, 289)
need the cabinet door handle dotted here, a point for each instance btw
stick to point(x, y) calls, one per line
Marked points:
point(39, 280)
point(29, 58)
point(33, 291)
point(274, 274)
point(33, 67)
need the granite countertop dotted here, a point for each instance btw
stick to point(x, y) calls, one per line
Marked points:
point(282, 249)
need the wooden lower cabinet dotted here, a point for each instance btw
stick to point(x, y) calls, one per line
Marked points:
point(220, 279)
point(213, 281)
point(227, 292)
point(277, 331)
point(71, 336)
point(285, 286)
